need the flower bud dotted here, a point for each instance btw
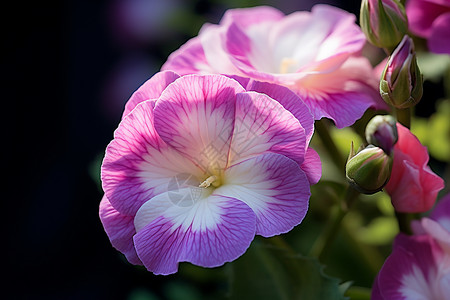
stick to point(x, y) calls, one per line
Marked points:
point(381, 131)
point(369, 170)
point(401, 81)
point(384, 22)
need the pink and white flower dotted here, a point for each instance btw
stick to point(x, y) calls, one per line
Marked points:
point(199, 165)
point(413, 186)
point(315, 54)
point(430, 19)
point(419, 266)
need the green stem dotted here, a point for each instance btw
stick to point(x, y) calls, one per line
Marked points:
point(404, 219)
point(358, 293)
point(323, 243)
point(404, 116)
point(323, 131)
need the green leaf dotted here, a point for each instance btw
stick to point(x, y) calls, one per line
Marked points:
point(268, 272)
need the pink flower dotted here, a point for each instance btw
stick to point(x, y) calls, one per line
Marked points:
point(430, 19)
point(419, 266)
point(198, 166)
point(315, 54)
point(416, 269)
point(413, 187)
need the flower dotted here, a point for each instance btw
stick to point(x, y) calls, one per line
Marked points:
point(315, 54)
point(401, 82)
point(430, 19)
point(384, 22)
point(413, 186)
point(419, 266)
point(416, 269)
point(368, 171)
point(195, 172)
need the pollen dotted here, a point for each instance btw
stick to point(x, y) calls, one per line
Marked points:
point(208, 181)
point(286, 64)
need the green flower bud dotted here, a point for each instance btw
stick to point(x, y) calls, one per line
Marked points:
point(369, 170)
point(401, 82)
point(381, 131)
point(384, 22)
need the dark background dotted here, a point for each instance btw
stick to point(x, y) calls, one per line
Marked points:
point(68, 69)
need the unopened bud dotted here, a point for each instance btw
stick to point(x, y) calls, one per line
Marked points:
point(369, 170)
point(384, 22)
point(401, 82)
point(381, 131)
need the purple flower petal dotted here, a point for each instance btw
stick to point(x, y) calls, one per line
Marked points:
point(439, 38)
point(120, 230)
point(413, 270)
point(189, 59)
point(312, 166)
point(289, 100)
point(138, 164)
point(441, 212)
point(274, 187)
point(150, 90)
point(195, 115)
point(212, 231)
point(264, 125)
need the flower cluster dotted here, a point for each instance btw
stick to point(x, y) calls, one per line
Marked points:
point(215, 148)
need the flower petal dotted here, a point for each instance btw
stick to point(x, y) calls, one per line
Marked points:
point(421, 15)
point(264, 125)
point(150, 90)
point(441, 212)
point(312, 166)
point(138, 164)
point(212, 231)
point(188, 59)
point(413, 187)
point(343, 95)
point(328, 37)
point(407, 141)
point(438, 232)
point(195, 115)
point(439, 39)
point(120, 230)
point(251, 16)
point(410, 271)
point(211, 39)
point(289, 100)
point(274, 187)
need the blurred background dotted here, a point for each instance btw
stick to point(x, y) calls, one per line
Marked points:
point(69, 68)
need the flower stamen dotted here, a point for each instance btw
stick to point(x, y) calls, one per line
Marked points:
point(208, 181)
